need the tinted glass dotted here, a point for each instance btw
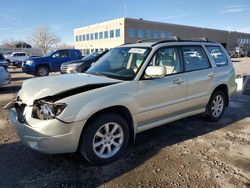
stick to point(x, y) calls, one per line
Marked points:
point(195, 58)
point(1, 57)
point(117, 33)
point(91, 36)
point(132, 33)
point(87, 37)
point(96, 36)
point(76, 38)
point(218, 55)
point(163, 35)
point(140, 33)
point(61, 54)
point(156, 34)
point(80, 37)
point(100, 35)
point(148, 34)
point(111, 33)
point(106, 34)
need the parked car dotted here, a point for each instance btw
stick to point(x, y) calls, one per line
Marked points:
point(3, 62)
point(19, 64)
point(133, 88)
point(41, 66)
point(81, 65)
point(5, 77)
point(15, 57)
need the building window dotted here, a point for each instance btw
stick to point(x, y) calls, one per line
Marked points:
point(132, 33)
point(111, 33)
point(87, 37)
point(148, 34)
point(140, 33)
point(96, 36)
point(80, 37)
point(117, 33)
point(76, 38)
point(100, 35)
point(163, 35)
point(83, 37)
point(168, 34)
point(156, 34)
point(91, 36)
point(106, 34)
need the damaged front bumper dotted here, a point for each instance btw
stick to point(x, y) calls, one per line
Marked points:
point(47, 136)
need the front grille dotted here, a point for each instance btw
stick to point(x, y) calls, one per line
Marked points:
point(64, 67)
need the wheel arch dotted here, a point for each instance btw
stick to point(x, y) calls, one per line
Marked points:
point(223, 87)
point(118, 109)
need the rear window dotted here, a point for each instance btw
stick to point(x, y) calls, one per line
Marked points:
point(218, 55)
point(1, 57)
point(19, 54)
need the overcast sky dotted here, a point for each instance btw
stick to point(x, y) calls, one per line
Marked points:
point(19, 18)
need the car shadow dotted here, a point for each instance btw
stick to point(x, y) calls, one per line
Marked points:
point(235, 61)
point(10, 89)
point(20, 166)
point(20, 78)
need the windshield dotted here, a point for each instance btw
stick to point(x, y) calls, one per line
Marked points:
point(91, 56)
point(49, 54)
point(121, 63)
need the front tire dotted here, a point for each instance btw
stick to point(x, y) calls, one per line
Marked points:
point(216, 106)
point(105, 139)
point(42, 71)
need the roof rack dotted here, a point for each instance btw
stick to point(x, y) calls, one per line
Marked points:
point(172, 39)
point(203, 39)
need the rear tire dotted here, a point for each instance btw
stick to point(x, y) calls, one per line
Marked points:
point(105, 139)
point(216, 106)
point(42, 71)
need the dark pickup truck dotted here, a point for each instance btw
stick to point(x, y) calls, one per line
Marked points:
point(41, 66)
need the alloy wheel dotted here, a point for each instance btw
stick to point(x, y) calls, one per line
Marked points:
point(108, 140)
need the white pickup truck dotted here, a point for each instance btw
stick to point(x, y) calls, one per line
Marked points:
point(16, 57)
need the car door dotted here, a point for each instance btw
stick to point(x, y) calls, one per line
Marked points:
point(58, 58)
point(164, 97)
point(200, 75)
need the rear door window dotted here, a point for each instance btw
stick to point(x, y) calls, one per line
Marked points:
point(195, 58)
point(218, 55)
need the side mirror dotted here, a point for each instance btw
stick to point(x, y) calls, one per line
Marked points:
point(156, 71)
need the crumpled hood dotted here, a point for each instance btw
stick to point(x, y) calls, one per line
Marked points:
point(36, 88)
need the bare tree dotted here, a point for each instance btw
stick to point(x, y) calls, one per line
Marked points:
point(64, 46)
point(44, 39)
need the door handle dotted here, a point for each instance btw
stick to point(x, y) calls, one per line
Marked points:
point(178, 81)
point(211, 75)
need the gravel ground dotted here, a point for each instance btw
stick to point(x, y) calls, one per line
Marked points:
point(188, 153)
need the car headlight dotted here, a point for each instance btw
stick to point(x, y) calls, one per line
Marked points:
point(29, 62)
point(47, 110)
